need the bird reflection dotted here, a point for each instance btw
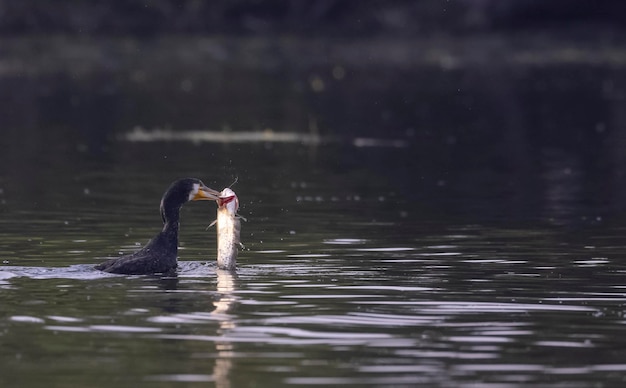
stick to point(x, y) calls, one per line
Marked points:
point(223, 305)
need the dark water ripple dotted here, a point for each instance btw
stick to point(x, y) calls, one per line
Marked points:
point(347, 312)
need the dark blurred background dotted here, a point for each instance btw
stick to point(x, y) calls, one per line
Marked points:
point(517, 101)
point(325, 17)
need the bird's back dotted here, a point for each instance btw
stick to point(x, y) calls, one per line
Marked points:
point(158, 256)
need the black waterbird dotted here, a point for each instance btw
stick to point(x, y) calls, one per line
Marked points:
point(160, 254)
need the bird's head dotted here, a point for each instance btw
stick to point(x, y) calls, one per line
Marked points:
point(184, 190)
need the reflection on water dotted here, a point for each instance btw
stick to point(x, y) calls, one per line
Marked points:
point(472, 305)
point(224, 351)
point(223, 306)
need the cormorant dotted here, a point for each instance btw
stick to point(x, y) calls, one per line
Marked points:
point(160, 254)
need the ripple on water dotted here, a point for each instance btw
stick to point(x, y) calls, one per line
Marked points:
point(593, 262)
point(345, 241)
point(104, 328)
point(294, 336)
point(385, 249)
point(355, 320)
point(75, 272)
point(416, 332)
point(565, 344)
point(26, 319)
point(463, 308)
point(182, 378)
point(308, 255)
point(376, 287)
point(58, 318)
point(408, 380)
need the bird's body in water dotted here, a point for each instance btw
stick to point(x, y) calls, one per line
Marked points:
point(160, 254)
point(228, 230)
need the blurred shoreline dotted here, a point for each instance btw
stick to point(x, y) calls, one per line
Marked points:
point(39, 55)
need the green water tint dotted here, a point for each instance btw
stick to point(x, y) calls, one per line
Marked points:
point(439, 222)
point(337, 285)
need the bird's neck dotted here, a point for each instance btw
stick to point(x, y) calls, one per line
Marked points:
point(170, 213)
point(171, 220)
point(171, 227)
point(169, 236)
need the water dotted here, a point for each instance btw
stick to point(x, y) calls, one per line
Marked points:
point(463, 247)
point(334, 287)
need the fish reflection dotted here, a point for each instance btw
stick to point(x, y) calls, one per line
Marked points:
point(223, 305)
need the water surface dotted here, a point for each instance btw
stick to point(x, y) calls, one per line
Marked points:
point(437, 226)
point(336, 286)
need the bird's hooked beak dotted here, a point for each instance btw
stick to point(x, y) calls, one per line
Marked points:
point(204, 193)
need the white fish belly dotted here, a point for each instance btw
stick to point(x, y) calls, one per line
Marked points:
point(228, 231)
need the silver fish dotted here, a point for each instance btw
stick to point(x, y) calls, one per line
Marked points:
point(228, 229)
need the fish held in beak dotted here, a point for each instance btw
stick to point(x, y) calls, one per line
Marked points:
point(228, 230)
point(228, 199)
